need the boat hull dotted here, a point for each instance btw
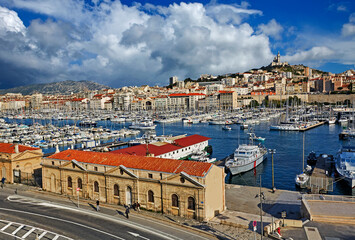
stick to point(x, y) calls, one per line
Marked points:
point(234, 170)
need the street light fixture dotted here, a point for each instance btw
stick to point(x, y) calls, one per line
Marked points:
point(272, 151)
point(262, 197)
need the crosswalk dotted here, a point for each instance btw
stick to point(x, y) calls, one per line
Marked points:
point(23, 231)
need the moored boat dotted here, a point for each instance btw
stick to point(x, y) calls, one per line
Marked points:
point(245, 158)
point(345, 165)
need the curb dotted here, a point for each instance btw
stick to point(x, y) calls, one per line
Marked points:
point(111, 207)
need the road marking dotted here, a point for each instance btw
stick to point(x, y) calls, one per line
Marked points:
point(42, 235)
point(8, 225)
point(18, 229)
point(137, 235)
point(28, 233)
point(17, 198)
point(63, 220)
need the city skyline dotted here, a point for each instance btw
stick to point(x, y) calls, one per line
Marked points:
point(124, 43)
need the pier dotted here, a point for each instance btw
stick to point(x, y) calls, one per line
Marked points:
point(311, 126)
point(101, 147)
point(320, 180)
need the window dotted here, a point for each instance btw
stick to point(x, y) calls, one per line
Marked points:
point(70, 183)
point(150, 196)
point(150, 175)
point(95, 168)
point(96, 186)
point(191, 203)
point(80, 183)
point(182, 180)
point(116, 190)
point(52, 162)
point(174, 200)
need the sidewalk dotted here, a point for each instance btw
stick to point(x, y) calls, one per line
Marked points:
point(214, 229)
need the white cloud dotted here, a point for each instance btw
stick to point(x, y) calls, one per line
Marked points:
point(348, 29)
point(10, 22)
point(272, 29)
point(314, 54)
point(342, 8)
point(119, 45)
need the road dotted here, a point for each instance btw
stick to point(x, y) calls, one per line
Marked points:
point(83, 223)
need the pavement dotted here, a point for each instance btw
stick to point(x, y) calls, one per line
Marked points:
point(236, 222)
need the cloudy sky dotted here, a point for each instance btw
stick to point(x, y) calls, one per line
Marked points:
point(120, 43)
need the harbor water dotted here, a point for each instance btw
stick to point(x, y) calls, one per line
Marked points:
point(288, 145)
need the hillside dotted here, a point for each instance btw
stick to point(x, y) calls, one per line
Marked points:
point(64, 87)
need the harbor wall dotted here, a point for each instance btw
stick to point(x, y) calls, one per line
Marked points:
point(321, 98)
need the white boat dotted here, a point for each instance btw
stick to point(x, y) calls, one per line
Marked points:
point(345, 165)
point(246, 157)
point(301, 180)
point(143, 126)
point(255, 138)
point(332, 120)
point(226, 127)
point(244, 126)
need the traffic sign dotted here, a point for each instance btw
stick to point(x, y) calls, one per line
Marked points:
point(254, 223)
point(77, 189)
point(254, 228)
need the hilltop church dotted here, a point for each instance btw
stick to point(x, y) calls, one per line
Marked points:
point(277, 62)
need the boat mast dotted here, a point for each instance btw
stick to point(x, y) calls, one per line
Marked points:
point(303, 153)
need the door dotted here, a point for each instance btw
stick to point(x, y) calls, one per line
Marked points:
point(3, 172)
point(52, 183)
point(129, 196)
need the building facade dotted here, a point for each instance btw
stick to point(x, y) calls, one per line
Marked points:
point(184, 188)
point(19, 161)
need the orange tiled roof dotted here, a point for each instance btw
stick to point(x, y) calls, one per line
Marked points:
point(194, 168)
point(185, 94)
point(10, 148)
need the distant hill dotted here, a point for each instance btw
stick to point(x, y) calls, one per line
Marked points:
point(64, 87)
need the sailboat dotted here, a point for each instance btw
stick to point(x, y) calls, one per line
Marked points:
point(301, 180)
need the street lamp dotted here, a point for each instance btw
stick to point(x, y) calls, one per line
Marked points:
point(272, 151)
point(262, 197)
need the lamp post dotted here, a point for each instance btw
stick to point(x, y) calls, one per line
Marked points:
point(272, 151)
point(262, 197)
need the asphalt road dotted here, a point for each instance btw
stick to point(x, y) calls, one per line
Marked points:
point(85, 223)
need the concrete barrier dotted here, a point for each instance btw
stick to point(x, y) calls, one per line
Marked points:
point(268, 229)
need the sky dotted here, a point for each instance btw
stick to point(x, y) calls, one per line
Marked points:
point(127, 43)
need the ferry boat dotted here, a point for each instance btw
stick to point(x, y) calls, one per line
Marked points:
point(345, 165)
point(246, 157)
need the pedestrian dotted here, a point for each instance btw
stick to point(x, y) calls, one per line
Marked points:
point(134, 206)
point(138, 207)
point(127, 212)
point(97, 205)
point(2, 182)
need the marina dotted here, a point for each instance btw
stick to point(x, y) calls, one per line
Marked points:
point(321, 138)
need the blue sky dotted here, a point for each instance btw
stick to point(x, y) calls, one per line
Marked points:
point(125, 43)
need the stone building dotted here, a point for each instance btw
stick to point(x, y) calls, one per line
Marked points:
point(185, 188)
point(19, 161)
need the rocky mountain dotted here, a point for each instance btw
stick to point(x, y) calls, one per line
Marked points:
point(64, 87)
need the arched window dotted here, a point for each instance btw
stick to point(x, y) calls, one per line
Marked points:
point(80, 183)
point(150, 196)
point(116, 190)
point(174, 200)
point(96, 186)
point(191, 203)
point(70, 183)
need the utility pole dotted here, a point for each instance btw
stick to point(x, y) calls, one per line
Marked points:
point(272, 151)
point(262, 197)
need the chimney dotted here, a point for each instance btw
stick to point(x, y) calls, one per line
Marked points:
point(56, 149)
point(16, 148)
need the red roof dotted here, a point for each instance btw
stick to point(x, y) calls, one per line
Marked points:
point(191, 140)
point(10, 148)
point(141, 150)
point(225, 91)
point(136, 162)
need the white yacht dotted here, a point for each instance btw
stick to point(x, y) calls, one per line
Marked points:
point(246, 157)
point(145, 125)
point(345, 165)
